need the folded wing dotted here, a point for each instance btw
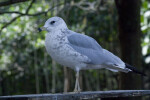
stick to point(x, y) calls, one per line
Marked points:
point(90, 48)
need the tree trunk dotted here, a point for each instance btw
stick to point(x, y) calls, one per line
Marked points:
point(53, 76)
point(66, 79)
point(46, 73)
point(129, 35)
point(36, 73)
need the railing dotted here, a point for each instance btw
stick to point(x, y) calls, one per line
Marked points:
point(79, 96)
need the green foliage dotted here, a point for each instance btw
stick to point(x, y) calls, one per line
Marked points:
point(145, 27)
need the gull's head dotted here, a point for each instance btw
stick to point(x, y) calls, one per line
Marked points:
point(55, 23)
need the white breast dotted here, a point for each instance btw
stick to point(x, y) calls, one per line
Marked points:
point(58, 48)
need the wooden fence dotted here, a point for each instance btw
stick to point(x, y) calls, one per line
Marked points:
point(79, 96)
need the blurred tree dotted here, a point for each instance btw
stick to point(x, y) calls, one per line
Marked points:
point(130, 41)
point(130, 34)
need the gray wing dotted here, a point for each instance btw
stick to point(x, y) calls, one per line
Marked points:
point(83, 41)
point(89, 47)
point(86, 46)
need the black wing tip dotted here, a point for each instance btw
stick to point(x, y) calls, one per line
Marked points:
point(134, 70)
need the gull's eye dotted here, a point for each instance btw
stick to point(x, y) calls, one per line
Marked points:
point(52, 22)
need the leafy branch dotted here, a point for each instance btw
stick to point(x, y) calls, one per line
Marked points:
point(27, 11)
point(20, 14)
point(11, 21)
point(10, 2)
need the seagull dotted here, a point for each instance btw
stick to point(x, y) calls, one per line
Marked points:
point(78, 51)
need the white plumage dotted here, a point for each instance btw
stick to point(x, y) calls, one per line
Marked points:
point(78, 51)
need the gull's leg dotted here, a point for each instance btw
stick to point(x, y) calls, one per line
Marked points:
point(75, 89)
point(77, 85)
